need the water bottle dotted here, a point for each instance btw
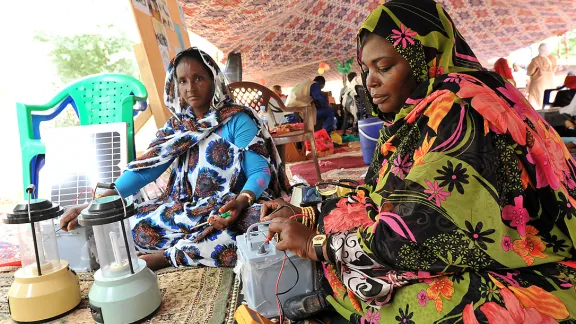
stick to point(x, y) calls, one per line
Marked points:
point(263, 116)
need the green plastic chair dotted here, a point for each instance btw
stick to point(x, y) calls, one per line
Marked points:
point(97, 99)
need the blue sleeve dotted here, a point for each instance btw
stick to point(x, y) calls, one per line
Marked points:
point(131, 181)
point(317, 95)
point(255, 167)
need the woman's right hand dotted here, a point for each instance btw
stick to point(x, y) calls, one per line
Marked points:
point(269, 206)
point(69, 220)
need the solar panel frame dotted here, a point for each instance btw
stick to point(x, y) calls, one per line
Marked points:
point(78, 157)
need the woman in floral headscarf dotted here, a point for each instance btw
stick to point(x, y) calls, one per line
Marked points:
point(222, 160)
point(469, 199)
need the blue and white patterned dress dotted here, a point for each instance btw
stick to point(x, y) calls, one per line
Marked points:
point(206, 168)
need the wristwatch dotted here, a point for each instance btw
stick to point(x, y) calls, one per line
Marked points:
point(318, 242)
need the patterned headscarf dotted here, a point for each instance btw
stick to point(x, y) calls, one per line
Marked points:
point(183, 130)
point(430, 43)
point(172, 97)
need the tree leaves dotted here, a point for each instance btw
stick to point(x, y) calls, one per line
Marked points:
point(81, 55)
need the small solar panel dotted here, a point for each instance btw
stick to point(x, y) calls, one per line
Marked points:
point(79, 157)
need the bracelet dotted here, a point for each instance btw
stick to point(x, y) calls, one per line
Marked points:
point(310, 219)
point(247, 195)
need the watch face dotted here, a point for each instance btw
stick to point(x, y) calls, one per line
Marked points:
point(319, 239)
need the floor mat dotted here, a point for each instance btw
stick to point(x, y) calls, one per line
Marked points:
point(9, 254)
point(189, 295)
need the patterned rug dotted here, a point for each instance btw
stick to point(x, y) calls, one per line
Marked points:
point(9, 254)
point(189, 295)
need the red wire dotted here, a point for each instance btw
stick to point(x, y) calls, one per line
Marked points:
point(278, 283)
point(81, 192)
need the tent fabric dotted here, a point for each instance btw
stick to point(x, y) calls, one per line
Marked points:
point(283, 41)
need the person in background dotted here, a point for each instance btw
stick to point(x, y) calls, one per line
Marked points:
point(467, 214)
point(501, 67)
point(310, 91)
point(349, 93)
point(278, 90)
point(346, 86)
point(519, 74)
point(222, 160)
point(541, 72)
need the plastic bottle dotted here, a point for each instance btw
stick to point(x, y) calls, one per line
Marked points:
point(263, 116)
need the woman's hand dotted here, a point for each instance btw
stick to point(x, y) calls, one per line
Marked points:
point(69, 220)
point(235, 207)
point(155, 261)
point(269, 206)
point(293, 236)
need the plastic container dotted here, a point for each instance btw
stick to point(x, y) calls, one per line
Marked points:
point(259, 270)
point(369, 130)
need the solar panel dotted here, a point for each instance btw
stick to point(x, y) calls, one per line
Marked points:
point(79, 157)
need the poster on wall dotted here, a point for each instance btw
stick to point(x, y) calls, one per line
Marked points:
point(154, 9)
point(179, 35)
point(165, 14)
point(141, 5)
point(160, 32)
point(181, 11)
point(165, 57)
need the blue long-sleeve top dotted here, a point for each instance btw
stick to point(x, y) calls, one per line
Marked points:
point(316, 94)
point(240, 131)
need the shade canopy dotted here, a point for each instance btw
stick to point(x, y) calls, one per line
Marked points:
point(283, 41)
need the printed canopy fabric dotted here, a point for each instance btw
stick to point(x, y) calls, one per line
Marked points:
point(282, 41)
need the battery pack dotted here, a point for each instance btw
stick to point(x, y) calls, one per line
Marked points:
point(259, 265)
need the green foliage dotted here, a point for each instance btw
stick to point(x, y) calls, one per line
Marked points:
point(82, 55)
point(571, 35)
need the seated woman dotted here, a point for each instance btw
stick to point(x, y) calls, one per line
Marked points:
point(469, 201)
point(502, 67)
point(222, 160)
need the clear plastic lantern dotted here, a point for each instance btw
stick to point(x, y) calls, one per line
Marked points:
point(37, 236)
point(125, 290)
point(108, 217)
point(45, 287)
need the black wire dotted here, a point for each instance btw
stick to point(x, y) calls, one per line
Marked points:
point(287, 291)
point(297, 277)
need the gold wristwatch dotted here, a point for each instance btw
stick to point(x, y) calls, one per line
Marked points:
point(318, 242)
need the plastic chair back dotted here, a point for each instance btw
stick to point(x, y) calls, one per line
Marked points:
point(96, 99)
point(546, 101)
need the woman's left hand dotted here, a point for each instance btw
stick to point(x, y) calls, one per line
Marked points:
point(235, 207)
point(293, 236)
point(155, 261)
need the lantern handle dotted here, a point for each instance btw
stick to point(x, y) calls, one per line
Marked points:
point(30, 190)
point(105, 185)
point(113, 187)
point(102, 185)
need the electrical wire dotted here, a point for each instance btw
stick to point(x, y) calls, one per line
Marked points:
point(81, 192)
point(278, 294)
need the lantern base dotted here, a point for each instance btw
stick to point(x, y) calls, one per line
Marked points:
point(40, 298)
point(126, 299)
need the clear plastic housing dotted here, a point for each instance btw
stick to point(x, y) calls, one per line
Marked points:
point(47, 247)
point(112, 254)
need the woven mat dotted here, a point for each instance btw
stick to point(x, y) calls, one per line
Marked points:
point(189, 295)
